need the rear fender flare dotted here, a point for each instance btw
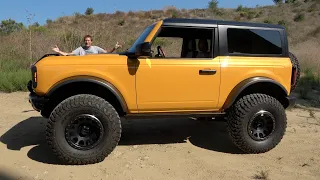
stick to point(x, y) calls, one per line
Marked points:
point(240, 87)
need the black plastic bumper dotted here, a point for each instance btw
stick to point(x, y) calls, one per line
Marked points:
point(37, 102)
point(291, 102)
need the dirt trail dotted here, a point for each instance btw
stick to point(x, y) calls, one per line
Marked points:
point(157, 149)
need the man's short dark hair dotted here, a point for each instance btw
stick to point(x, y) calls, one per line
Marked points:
point(87, 36)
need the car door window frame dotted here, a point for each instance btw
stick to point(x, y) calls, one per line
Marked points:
point(213, 46)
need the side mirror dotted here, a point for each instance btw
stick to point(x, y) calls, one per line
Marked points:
point(143, 49)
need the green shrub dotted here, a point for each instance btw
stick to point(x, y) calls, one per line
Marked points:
point(299, 17)
point(283, 23)
point(89, 11)
point(239, 8)
point(307, 83)
point(251, 14)
point(11, 81)
point(259, 14)
point(267, 21)
point(121, 22)
point(213, 5)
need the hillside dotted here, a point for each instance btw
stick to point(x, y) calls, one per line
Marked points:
point(301, 19)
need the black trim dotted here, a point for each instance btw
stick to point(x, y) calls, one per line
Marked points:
point(37, 102)
point(216, 51)
point(246, 83)
point(291, 101)
point(29, 86)
point(95, 80)
point(44, 56)
point(185, 22)
point(173, 115)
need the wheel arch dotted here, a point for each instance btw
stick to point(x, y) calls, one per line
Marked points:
point(85, 84)
point(257, 85)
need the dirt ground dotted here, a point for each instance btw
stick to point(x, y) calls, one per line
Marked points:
point(158, 149)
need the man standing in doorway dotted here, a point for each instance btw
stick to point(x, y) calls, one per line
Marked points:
point(87, 48)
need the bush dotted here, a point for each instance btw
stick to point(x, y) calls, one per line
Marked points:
point(11, 81)
point(306, 83)
point(299, 17)
point(121, 23)
point(283, 23)
point(89, 11)
point(267, 21)
point(239, 8)
point(259, 14)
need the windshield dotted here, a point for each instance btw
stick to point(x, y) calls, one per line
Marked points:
point(141, 38)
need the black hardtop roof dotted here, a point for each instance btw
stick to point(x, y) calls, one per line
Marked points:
point(214, 23)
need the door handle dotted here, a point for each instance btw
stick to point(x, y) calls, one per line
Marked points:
point(207, 71)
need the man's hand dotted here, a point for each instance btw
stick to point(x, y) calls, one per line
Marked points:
point(117, 46)
point(56, 49)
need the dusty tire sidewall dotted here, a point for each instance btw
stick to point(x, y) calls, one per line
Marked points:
point(278, 129)
point(67, 116)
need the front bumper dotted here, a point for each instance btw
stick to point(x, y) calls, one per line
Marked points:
point(291, 102)
point(37, 102)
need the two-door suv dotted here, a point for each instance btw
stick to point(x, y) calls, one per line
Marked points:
point(176, 67)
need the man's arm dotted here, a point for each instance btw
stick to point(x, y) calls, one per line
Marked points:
point(56, 49)
point(114, 48)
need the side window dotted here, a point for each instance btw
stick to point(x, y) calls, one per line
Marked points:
point(183, 43)
point(171, 46)
point(252, 41)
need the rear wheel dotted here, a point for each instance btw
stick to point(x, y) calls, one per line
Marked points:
point(83, 129)
point(257, 123)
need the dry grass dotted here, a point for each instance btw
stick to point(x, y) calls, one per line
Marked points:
point(125, 27)
point(262, 175)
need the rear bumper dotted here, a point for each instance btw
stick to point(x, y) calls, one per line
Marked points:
point(291, 102)
point(37, 102)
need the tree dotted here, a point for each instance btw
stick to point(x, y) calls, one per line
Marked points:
point(89, 11)
point(9, 26)
point(290, 1)
point(213, 5)
point(277, 1)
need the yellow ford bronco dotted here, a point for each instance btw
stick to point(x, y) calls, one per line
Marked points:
point(176, 67)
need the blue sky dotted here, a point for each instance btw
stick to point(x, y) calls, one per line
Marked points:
point(43, 9)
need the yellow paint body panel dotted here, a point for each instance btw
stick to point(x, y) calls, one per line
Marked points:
point(108, 67)
point(175, 85)
point(153, 32)
point(237, 69)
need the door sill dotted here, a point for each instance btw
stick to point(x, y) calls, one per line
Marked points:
point(173, 115)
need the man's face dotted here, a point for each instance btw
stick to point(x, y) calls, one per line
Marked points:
point(88, 42)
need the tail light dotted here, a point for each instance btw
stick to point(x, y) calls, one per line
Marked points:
point(294, 76)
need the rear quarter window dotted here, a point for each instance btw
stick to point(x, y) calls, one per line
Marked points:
point(254, 41)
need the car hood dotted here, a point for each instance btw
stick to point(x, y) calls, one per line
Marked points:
point(91, 59)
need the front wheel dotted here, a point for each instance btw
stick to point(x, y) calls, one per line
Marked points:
point(83, 129)
point(257, 123)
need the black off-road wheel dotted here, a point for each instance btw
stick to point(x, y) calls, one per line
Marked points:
point(83, 129)
point(257, 123)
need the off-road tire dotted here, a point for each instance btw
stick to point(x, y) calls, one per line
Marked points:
point(238, 122)
point(295, 63)
point(65, 112)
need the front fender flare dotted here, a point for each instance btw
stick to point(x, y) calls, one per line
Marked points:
point(94, 80)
